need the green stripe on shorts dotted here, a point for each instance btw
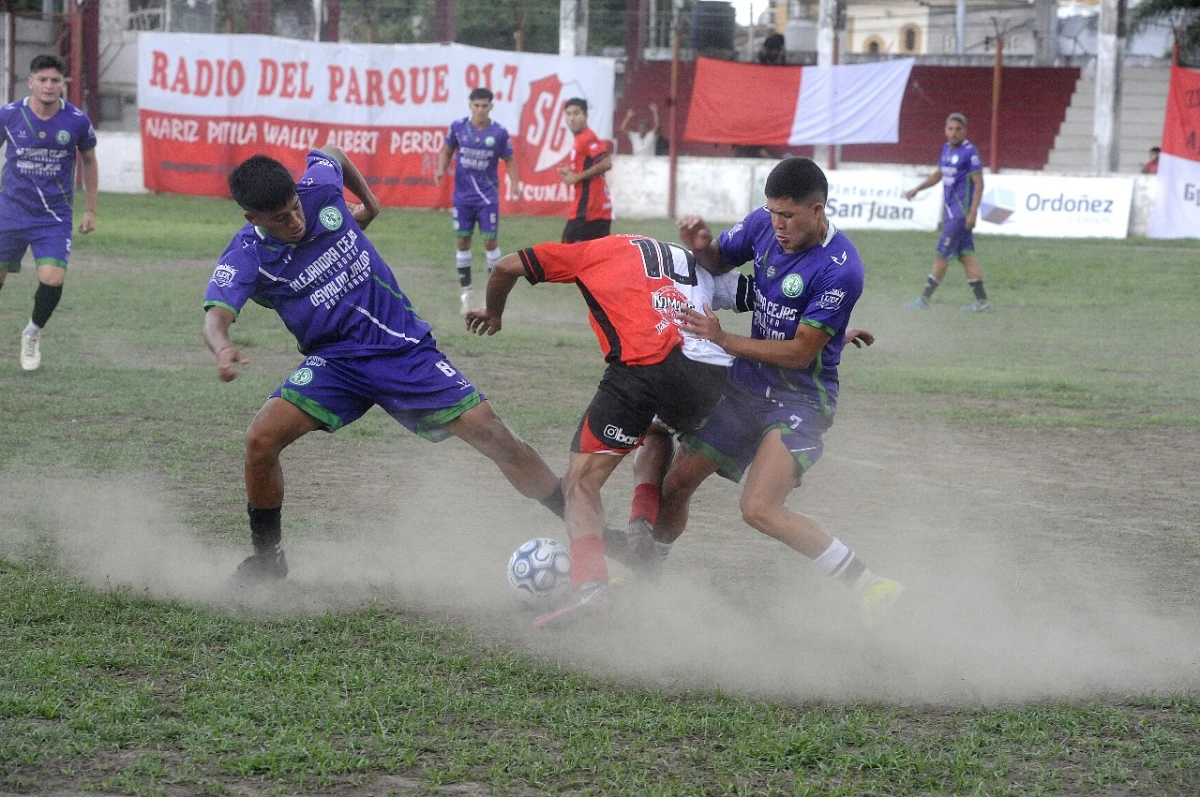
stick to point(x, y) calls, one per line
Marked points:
point(332, 422)
point(430, 426)
point(727, 467)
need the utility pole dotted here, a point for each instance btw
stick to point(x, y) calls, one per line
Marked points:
point(572, 27)
point(1107, 121)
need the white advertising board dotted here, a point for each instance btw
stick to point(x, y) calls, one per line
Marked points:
point(1055, 207)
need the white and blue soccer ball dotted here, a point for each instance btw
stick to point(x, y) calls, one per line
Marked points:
point(540, 569)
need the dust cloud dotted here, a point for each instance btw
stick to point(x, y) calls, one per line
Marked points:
point(1035, 567)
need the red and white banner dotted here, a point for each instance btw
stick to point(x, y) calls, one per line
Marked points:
point(1177, 208)
point(207, 102)
point(780, 105)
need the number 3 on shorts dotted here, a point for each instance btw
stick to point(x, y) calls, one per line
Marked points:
point(446, 368)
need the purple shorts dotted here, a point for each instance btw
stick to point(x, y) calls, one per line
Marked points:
point(417, 387)
point(51, 245)
point(466, 215)
point(956, 239)
point(740, 421)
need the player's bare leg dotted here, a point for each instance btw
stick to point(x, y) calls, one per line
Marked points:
point(932, 282)
point(482, 429)
point(276, 426)
point(586, 475)
point(635, 547)
point(975, 280)
point(771, 478)
point(689, 468)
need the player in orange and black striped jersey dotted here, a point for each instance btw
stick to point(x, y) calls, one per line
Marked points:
point(591, 213)
point(636, 290)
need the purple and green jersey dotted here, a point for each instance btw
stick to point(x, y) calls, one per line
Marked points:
point(38, 181)
point(957, 165)
point(477, 156)
point(332, 290)
point(817, 287)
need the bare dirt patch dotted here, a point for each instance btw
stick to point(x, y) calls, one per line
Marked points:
point(1038, 564)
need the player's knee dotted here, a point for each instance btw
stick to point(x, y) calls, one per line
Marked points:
point(262, 443)
point(756, 514)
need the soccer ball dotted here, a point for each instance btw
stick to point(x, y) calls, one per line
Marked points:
point(540, 569)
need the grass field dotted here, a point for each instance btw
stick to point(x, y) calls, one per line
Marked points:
point(1029, 474)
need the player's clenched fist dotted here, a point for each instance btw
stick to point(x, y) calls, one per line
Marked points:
point(693, 232)
point(228, 356)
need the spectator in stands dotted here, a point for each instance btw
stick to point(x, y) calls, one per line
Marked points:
point(644, 141)
point(773, 51)
point(1151, 166)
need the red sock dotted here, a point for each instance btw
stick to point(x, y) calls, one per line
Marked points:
point(645, 502)
point(587, 561)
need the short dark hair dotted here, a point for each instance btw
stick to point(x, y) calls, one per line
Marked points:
point(798, 179)
point(261, 184)
point(579, 102)
point(1156, 150)
point(47, 61)
point(481, 93)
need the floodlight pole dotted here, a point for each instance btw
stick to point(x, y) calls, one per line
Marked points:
point(673, 110)
point(75, 88)
point(997, 71)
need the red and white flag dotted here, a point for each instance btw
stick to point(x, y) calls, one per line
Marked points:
point(783, 105)
point(1177, 208)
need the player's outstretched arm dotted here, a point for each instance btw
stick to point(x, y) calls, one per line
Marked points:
point(354, 181)
point(507, 271)
point(859, 337)
point(91, 178)
point(217, 321)
point(976, 196)
point(514, 178)
point(931, 180)
point(443, 164)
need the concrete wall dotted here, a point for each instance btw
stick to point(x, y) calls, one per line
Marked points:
point(719, 189)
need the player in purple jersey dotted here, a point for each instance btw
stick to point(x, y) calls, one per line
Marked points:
point(782, 391)
point(960, 172)
point(304, 254)
point(42, 134)
point(478, 145)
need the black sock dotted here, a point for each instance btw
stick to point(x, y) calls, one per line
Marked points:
point(45, 299)
point(265, 528)
point(556, 502)
point(931, 284)
point(464, 277)
point(977, 286)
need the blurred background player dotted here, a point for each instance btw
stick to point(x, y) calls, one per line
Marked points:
point(304, 254)
point(590, 216)
point(643, 142)
point(478, 145)
point(960, 171)
point(635, 288)
point(42, 134)
point(782, 391)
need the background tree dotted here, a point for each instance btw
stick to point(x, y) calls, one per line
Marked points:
point(1182, 15)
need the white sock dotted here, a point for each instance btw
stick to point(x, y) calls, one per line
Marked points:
point(462, 259)
point(663, 548)
point(493, 255)
point(32, 329)
point(839, 562)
